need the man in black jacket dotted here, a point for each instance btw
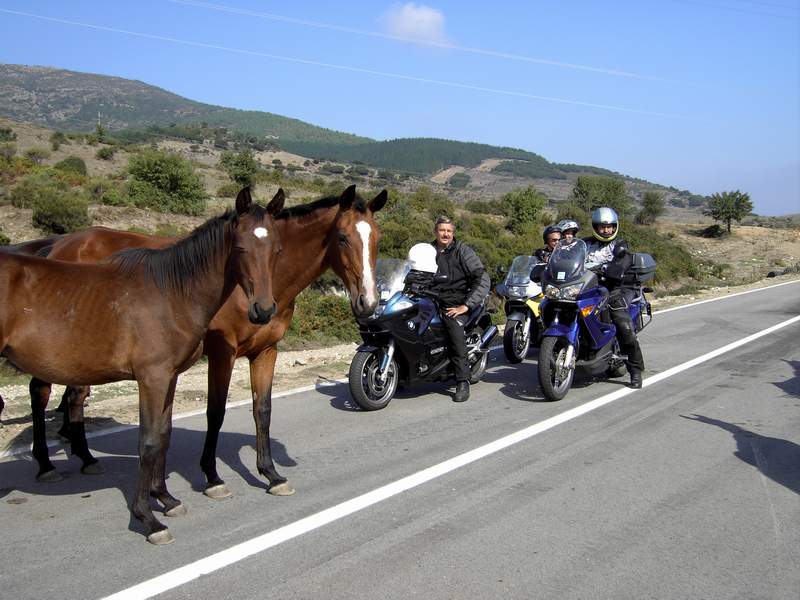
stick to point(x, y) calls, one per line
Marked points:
point(462, 284)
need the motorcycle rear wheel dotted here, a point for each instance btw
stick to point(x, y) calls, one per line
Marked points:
point(365, 387)
point(515, 349)
point(554, 380)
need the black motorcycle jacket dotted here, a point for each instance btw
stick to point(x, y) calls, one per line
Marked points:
point(543, 254)
point(466, 281)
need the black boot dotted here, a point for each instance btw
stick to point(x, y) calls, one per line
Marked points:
point(636, 378)
point(462, 392)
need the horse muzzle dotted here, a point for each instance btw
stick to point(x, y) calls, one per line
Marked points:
point(363, 307)
point(259, 315)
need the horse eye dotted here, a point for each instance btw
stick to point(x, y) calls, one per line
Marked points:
point(343, 241)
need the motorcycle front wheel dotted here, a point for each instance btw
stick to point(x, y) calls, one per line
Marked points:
point(366, 388)
point(555, 378)
point(515, 343)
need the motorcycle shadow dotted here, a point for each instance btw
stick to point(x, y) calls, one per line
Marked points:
point(521, 382)
point(340, 397)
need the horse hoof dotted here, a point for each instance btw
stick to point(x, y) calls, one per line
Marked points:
point(50, 476)
point(161, 538)
point(176, 511)
point(281, 489)
point(93, 469)
point(218, 492)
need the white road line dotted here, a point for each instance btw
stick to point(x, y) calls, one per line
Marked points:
point(769, 287)
point(308, 388)
point(219, 560)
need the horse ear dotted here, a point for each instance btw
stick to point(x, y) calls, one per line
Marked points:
point(276, 204)
point(347, 197)
point(243, 200)
point(378, 201)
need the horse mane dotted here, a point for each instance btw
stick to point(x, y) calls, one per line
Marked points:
point(176, 266)
point(302, 210)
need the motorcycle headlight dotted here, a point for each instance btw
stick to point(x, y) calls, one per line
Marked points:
point(398, 305)
point(569, 292)
point(518, 291)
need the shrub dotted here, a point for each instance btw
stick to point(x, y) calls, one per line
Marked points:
point(459, 180)
point(228, 190)
point(165, 182)
point(56, 139)
point(37, 155)
point(61, 213)
point(71, 164)
point(4, 239)
point(316, 313)
point(105, 153)
point(713, 231)
point(7, 134)
point(7, 151)
point(36, 186)
point(241, 167)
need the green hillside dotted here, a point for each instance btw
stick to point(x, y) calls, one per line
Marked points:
point(417, 155)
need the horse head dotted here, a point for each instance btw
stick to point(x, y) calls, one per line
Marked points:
point(256, 245)
point(353, 248)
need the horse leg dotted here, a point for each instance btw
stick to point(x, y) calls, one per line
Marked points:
point(75, 398)
point(221, 357)
point(158, 489)
point(262, 370)
point(40, 395)
point(155, 415)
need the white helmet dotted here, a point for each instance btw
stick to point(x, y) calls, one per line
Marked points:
point(422, 257)
point(567, 224)
point(605, 216)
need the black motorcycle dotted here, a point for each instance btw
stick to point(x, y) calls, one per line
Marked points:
point(405, 340)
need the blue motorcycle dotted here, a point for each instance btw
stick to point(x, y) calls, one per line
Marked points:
point(579, 332)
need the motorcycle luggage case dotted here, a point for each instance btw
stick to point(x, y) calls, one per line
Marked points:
point(642, 269)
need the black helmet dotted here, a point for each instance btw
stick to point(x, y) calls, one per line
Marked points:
point(548, 230)
point(605, 216)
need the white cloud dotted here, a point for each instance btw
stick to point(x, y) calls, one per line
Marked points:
point(415, 21)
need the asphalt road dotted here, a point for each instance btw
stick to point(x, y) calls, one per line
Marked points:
point(688, 488)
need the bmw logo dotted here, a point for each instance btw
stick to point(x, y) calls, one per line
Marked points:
point(410, 325)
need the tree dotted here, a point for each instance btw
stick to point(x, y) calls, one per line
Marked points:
point(523, 208)
point(652, 208)
point(241, 167)
point(729, 206)
point(100, 133)
point(591, 191)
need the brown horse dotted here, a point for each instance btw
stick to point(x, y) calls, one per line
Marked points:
point(140, 315)
point(338, 232)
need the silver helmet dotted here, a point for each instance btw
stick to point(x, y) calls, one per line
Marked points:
point(605, 216)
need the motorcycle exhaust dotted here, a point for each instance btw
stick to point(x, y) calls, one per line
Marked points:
point(487, 337)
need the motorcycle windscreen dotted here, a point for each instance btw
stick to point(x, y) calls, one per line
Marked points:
point(520, 271)
point(389, 276)
point(567, 262)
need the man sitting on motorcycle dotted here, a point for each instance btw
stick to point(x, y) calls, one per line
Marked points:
point(551, 235)
point(603, 250)
point(462, 284)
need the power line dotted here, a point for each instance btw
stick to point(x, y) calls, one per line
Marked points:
point(445, 45)
point(351, 69)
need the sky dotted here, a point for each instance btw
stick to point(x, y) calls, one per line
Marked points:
point(701, 95)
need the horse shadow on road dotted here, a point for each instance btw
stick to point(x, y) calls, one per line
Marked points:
point(775, 458)
point(121, 462)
